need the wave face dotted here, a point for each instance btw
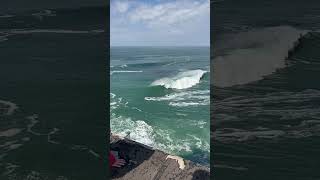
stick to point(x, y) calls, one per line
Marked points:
point(182, 80)
point(262, 50)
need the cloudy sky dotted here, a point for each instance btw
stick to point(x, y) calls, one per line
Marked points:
point(160, 23)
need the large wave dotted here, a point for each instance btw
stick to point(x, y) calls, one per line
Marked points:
point(249, 56)
point(182, 80)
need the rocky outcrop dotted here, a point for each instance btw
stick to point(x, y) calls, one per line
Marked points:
point(145, 163)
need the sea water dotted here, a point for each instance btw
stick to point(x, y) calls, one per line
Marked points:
point(160, 97)
point(266, 90)
point(52, 74)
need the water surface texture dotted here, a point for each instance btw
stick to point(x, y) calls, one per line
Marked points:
point(265, 89)
point(160, 97)
point(52, 95)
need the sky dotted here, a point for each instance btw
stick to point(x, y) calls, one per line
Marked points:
point(160, 23)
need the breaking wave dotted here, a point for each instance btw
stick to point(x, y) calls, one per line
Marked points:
point(182, 80)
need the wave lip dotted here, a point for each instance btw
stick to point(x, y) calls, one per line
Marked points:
point(182, 80)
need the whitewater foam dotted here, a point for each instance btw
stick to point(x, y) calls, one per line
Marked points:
point(183, 145)
point(138, 130)
point(184, 99)
point(157, 138)
point(182, 80)
point(185, 104)
point(9, 107)
point(6, 16)
point(112, 72)
point(3, 38)
point(44, 12)
point(112, 95)
point(116, 102)
point(252, 55)
point(10, 132)
point(200, 94)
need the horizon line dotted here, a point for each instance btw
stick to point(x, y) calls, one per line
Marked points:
point(160, 46)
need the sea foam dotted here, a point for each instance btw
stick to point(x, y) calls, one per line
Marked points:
point(112, 72)
point(138, 130)
point(184, 99)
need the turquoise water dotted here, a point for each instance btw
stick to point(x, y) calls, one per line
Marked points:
point(160, 97)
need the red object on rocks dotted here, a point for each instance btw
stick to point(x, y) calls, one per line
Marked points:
point(112, 159)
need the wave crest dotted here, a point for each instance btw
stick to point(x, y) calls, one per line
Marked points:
point(182, 80)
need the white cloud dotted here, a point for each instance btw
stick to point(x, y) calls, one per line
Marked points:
point(160, 22)
point(170, 13)
point(121, 5)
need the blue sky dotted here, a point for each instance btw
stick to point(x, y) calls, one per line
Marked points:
point(160, 23)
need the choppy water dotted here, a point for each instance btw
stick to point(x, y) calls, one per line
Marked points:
point(160, 97)
point(50, 89)
point(265, 93)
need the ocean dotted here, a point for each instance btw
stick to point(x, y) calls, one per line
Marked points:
point(52, 94)
point(265, 90)
point(160, 97)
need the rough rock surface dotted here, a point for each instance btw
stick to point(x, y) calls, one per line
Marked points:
point(145, 163)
